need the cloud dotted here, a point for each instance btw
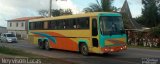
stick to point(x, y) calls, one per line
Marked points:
point(10, 9)
point(63, 5)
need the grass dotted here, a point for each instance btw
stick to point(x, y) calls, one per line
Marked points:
point(142, 47)
point(23, 54)
point(15, 52)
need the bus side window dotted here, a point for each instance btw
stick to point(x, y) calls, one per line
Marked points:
point(58, 24)
point(45, 25)
point(82, 23)
point(74, 24)
point(31, 26)
point(64, 24)
point(94, 27)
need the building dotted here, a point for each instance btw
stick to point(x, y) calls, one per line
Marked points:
point(19, 26)
point(3, 29)
point(130, 23)
point(137, 34)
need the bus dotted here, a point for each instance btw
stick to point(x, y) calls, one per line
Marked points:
point(96, 32)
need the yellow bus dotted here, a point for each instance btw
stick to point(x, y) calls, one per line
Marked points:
point(97, 32)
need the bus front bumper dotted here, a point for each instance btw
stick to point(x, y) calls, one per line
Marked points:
point(113, 49)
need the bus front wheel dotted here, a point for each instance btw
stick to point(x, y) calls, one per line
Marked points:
point(84, 49)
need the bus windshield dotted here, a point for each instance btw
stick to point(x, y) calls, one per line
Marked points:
point(111, 25)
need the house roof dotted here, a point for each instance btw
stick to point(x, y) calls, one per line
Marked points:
point(2, 27)
point(130, 22)
point(25, 18)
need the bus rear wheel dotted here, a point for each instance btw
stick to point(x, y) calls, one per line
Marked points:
point(47, 47)
point(41, 45)
point(84, 49)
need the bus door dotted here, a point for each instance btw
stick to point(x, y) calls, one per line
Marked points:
point(95, 43)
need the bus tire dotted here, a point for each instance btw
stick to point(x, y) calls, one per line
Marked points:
point(84, 49)
point(47, 47)
point(41, 44)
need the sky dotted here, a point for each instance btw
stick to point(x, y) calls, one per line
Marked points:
point(10, 9)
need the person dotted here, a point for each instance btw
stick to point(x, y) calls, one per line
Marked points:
point(74, 26)
point(113, 28)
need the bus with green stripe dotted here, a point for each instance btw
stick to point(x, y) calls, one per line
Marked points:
point(96, 32)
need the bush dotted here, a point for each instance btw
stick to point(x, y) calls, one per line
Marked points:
point(155, 32)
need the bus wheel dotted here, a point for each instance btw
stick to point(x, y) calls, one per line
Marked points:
point(41, 45)
point(47, 47)
point(84, 49)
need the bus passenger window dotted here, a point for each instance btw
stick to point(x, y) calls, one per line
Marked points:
point(53, 25)
point(74, 23)
point(57, 24)
point(31, 26)
point(64, 24)
point(45, 25)
point(83, 23)
point(94, 27)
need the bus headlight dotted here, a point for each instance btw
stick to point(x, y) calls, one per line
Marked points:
point(112, 50)
point(106, 49)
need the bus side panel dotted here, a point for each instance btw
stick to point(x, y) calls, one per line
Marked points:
point(65, 44)
point(63, 39)
point(33, 38)
point(67, 40)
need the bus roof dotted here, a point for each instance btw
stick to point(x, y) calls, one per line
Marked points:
point(72, 16)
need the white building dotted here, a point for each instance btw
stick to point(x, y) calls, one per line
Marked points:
point(19, 26)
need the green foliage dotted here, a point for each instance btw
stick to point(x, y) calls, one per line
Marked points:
point(61, 12)
point(55, 12)
point(104, 6)
point(155, 32)
point(151, 13)
point(15, 52)
point(93, 8)
point(6, 50)
point(140, 20)
point(43, 13)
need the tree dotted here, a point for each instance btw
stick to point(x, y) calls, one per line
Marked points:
point(93, 8)
point(155, 32)
point(56, 12)
point(140, 20)
point(43, 12)
point(151, 13)
point(104, 6)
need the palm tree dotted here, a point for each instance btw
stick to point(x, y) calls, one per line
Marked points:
point(100, 6)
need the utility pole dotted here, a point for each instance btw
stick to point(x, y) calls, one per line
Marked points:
point(50, 8)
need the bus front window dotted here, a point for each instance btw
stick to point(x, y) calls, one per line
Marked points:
point(111, 25)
